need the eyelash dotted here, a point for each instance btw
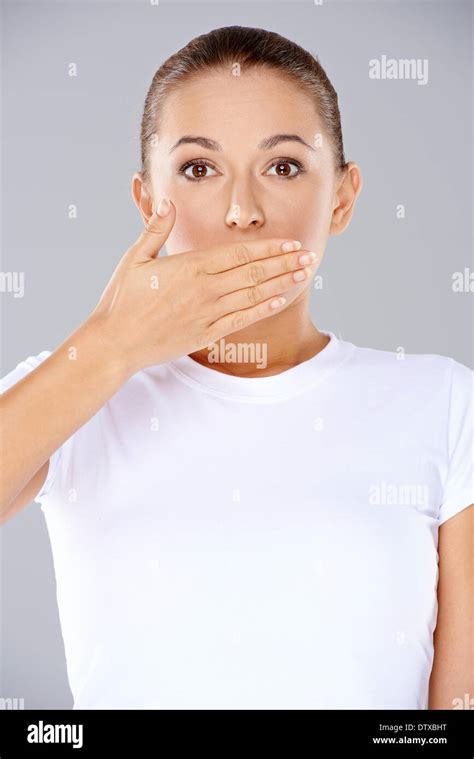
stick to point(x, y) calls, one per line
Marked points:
point(204, 162)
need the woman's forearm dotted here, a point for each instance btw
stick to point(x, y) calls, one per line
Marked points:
point(41, 411)
point(452, 677)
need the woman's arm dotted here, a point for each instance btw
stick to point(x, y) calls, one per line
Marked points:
point(44, 408)
point(203, 295)
point(452, 677)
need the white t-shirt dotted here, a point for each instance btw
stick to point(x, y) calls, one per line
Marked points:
point(223, 542)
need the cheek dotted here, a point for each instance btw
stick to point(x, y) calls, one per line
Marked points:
point(190, 227)
point(194, 226)
point(310, 217)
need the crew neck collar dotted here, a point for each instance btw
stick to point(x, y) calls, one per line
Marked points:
point(279, 386)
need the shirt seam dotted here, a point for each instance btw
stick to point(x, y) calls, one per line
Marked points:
point(262, 399)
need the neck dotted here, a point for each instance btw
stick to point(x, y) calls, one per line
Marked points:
point(269, 346)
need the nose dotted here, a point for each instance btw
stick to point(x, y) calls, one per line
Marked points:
point(244, 210)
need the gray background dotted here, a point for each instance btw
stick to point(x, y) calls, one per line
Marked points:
point(387, 282)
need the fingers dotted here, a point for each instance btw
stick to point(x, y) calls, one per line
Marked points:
point(238, 254)
point(155, 233)
point(239, 319)
point(273, 296)
point(258, 272)
point(251, 296)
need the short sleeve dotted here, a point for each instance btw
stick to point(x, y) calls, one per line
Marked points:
point(15, 375)
point(458, 490)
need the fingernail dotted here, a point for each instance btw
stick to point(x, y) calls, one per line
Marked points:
point(163, 207)
point(298, 276)
point(290, 245)
point(278, 302)
point(307, 258)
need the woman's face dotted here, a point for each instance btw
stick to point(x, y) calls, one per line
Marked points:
point(245, 185)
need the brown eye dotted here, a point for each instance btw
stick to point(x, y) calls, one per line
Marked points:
point(196, 170)
point(284, 168)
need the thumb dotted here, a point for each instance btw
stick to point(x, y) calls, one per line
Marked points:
point(157, 230)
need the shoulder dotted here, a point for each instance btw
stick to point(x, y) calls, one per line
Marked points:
point(420, 371)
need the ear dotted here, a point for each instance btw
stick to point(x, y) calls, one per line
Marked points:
point(347, 190)
point(142, 196)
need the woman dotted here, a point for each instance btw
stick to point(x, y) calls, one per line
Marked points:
point(245, 511)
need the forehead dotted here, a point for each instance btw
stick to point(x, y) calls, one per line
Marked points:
point(220, 104)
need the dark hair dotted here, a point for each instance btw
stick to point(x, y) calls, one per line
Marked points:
point(250, 48)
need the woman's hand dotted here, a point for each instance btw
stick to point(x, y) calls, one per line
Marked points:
point(157, 309)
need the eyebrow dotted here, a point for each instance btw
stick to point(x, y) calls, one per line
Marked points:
point(267, 144)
